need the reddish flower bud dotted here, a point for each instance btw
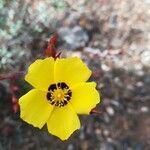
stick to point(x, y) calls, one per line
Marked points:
point(50, 51)
point(51, 48)
point(53, 39)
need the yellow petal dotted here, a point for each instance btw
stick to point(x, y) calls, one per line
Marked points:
point(71, 71)
point(63, 122)
point(41, 73)
point(34, 108)
point(84, 97)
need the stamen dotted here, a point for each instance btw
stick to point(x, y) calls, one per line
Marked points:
point(57, 103)
point(61, 103)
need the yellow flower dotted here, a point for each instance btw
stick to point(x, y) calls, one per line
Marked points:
point(60, 93)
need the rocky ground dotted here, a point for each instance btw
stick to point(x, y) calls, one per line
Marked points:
point(112, 37)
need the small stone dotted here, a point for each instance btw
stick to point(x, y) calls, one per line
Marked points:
point(144, 109)
point(106, 132)
point(105, 67)
point(70, 147)
point(98, 131)
point(110, 111)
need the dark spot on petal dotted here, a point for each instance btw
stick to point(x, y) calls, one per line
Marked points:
point(48, 96)
point(53, 102)
point(65, 102)
point(57, 103)
point(64, 86)
point(59, 85)
point(52, 87)
point(69, 93)
point(68, 98)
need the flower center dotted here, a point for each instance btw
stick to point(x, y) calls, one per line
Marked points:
point(59, 94)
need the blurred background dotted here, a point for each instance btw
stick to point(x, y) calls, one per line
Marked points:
point(112, 37)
